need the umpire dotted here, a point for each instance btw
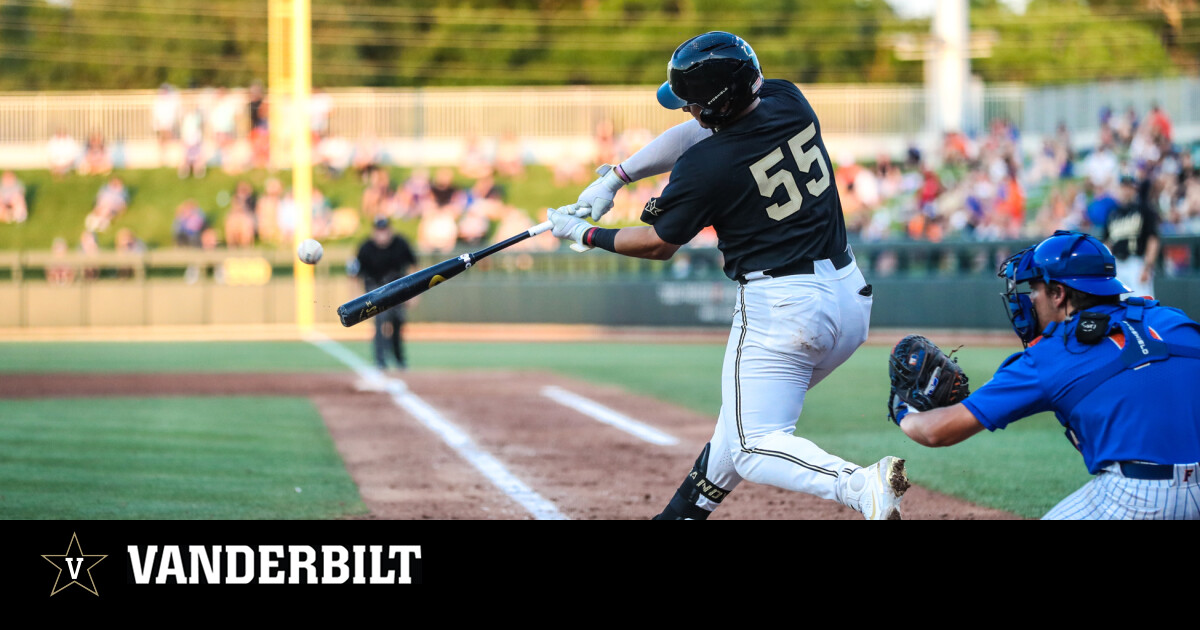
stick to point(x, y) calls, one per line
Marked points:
point(382, 258)
point(1120, 376)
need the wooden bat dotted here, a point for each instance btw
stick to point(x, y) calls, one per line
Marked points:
point(396, 292)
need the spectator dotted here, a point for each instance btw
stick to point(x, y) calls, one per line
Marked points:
point(190, 223)
point(165, 119)
point(369, 154)
point(605, 143)
point(926, 224)
point(320, 107)
point(322, 215)
point(1010, 203)
point(60, 271)
point(1064, 151)
point(475, 161)
point(437, 231)
point(111, 202)
point(285, 217)
point(223, 123)
point(260, 137)
point(1160, 123)
point(1101, 168)
point(955, 151)
point(63, 152)
point(239, 226)
point(89, 247)
point(414, 195)
point(510, 156)
point(377, 197)
point(13, 208)
point(445, 192)
point(127, 243)
point(267, 211)
point(96, 159)
point(191, 132)
point(244, 194)
point(335, 155)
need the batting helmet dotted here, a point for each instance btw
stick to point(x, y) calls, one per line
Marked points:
point(717, 71)
point(1075, 259)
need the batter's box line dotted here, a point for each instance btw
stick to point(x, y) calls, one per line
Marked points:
point(451, 435)
point(608, 416)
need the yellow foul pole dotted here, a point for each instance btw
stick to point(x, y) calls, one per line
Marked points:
point(301, 133)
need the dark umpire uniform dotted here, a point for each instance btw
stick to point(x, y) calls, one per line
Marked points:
point(384, 257)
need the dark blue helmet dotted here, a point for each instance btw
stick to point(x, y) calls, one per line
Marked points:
point(717, 71)
point(1075, 259)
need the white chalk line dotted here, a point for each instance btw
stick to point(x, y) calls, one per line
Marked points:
point(608, 416)
point(456, 438)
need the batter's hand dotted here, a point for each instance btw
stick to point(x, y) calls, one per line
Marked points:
point(597, 198)
point(569, 227)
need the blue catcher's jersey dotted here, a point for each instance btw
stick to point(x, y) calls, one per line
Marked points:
point(1115, 405)
point(764, 182)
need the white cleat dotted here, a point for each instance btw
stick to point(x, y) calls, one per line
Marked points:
point(887, 482)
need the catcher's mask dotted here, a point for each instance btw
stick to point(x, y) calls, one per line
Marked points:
point(1075, 259)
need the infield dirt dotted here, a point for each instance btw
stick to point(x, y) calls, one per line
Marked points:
point(405, 471)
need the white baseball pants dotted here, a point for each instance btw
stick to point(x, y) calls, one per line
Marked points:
point(788, 334)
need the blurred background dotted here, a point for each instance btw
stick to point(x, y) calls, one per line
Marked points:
point(146, 148)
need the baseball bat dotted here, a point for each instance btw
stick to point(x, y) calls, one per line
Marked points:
point(399, 291)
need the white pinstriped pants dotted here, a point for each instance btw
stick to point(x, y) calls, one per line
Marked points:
point(1111, 496)
point(788, 334)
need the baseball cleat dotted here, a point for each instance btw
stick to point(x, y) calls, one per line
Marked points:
point(887, 482)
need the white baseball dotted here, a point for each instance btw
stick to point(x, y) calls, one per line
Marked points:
point(310, 251)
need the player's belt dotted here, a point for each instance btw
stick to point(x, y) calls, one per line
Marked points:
point(802, 266)
point(1139, 470)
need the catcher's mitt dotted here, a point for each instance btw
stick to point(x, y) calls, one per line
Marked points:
point(923, 377)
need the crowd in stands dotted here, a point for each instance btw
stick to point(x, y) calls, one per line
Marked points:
point(988, 189)
point(982, 187)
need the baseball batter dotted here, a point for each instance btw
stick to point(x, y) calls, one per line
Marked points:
point(1120, 376)
point(753, 165)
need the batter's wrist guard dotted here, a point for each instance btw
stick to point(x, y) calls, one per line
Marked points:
point(603, 238)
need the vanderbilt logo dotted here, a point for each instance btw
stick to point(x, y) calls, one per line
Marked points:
point(273, 564)
point(707, 488)
point(74, 567)
point(652, 208)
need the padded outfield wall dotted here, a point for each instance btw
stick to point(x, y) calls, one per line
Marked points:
point(916, 285)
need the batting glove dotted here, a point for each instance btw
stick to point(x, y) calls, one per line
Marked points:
point(597, 198)
point(569, 227)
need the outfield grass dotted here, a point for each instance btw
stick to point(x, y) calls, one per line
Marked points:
point(171, 458)
point(1025, 469)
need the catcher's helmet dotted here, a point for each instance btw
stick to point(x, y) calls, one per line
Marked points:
point(1078, 260)
point(717, 71)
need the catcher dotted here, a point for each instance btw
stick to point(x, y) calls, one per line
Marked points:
point(1120, 376)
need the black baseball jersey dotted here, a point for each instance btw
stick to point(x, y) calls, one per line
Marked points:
point(379, 266)
point(1129, 227)
point(764, 182)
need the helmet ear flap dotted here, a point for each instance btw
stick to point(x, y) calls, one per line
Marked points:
point(1022, 316)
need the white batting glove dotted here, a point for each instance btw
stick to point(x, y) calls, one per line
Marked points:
point(597, 198)
point(569, 227)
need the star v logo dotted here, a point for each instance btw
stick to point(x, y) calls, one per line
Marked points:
point(72, 566)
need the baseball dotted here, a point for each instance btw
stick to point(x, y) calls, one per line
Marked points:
point(310, 251)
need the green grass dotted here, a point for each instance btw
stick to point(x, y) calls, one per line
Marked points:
point(1025, 469)
point(170, 458)
point(262, 356)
